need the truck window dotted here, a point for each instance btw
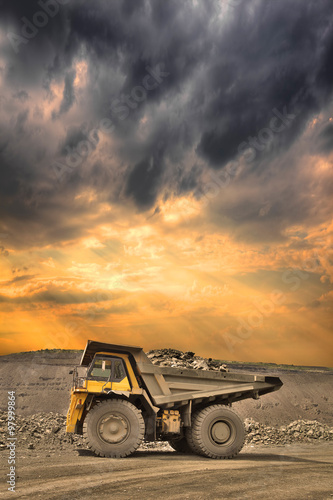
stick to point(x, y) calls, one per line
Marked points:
point(119, 371)
point(103, 367)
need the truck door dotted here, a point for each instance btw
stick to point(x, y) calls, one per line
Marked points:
point(108, 372)
point(120, 380)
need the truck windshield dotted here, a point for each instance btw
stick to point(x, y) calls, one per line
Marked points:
point(101, 369)
point(107, 368)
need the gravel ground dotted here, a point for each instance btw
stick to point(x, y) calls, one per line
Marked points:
point(289, 472)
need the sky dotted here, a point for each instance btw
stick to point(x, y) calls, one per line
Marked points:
point(166, 176)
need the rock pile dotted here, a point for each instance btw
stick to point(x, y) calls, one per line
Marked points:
point(39, 430)
point(179, 359)
point(299, 431)
point(48, 431)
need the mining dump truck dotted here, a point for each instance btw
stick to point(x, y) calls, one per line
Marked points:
point(119, 397)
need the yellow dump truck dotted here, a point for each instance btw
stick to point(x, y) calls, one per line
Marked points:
point(119, 398)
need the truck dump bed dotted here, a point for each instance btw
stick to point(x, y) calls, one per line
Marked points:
point(170, 387)
point(176, 387)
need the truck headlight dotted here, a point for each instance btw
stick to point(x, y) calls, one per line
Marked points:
point(81, 382)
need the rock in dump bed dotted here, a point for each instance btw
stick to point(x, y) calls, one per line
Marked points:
point(179, 359)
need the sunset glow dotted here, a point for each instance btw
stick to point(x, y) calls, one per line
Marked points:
point(196, 221)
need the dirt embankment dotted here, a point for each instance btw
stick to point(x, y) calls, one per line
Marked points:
point(42, 383)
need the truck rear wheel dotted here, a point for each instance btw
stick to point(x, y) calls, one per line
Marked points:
point(217, 432)
point(181, 445)
point(189, 437)
point(114, 428)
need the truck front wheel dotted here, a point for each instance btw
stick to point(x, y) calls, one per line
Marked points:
point(217, 432)
point(114, 428)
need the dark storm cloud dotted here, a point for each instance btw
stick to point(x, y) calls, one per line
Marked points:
point(68, 98)
point(326, 139)
point(143, 180)
point(74, 136)
point(187, 181)
point(20, 122)
point(271, 65)
point(22, 96)
point(226, 67)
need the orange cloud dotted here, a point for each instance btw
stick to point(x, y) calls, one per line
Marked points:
point(188, 288)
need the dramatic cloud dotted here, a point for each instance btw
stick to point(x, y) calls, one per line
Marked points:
point(188, 143)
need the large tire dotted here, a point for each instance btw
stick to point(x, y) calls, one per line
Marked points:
point(216, 432)
point(189, 437)
point(114, 428)
point(181, 445)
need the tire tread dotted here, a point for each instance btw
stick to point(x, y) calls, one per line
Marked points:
point(196, 435)
point(118, 454)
